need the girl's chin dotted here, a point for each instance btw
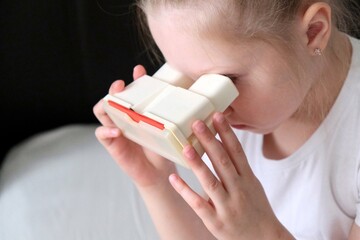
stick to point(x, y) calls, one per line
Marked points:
point(241, 127)
point(251, 129)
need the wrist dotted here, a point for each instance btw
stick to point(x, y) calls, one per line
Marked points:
point(159, 179)
point(278, 231)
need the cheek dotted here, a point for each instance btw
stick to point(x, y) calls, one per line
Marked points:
point(265, 108)
point(268, 95)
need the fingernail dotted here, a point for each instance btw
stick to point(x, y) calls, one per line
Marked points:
point(173, 178)
point(114, 132)
point(199, 126)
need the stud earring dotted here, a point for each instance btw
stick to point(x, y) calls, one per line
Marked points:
point(317, 52)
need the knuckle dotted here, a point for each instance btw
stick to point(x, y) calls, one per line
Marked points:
point(225, 161)
point(218, 225)
point(95, 108)
point(208, 137)
point(227, 128)
point(198, 204)
point(213, 184)
point(238, 149)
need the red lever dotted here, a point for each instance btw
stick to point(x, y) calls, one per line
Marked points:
point(136, 116)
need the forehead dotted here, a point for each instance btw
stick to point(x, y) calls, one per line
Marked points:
point(192, 43)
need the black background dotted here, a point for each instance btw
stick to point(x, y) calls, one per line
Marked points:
point(58, 59)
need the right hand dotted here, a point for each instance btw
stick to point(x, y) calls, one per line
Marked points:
point(144, 167)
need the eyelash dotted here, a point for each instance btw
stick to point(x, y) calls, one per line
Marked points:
point(234, 79)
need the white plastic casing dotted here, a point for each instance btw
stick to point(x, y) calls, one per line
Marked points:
point(157, 112)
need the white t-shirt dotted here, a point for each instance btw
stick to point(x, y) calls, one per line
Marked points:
point(315, 191)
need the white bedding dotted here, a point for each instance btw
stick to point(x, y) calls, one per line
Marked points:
point(62, 185)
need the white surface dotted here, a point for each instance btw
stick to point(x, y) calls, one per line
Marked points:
point(62, 185)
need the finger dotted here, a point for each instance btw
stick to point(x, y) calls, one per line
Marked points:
point(231, 144)
point(210, 183)
point(101, 115)
point(115, 142)
point(220, 159)
point(116, 86)
point(106, 135)
point(138, 71)
point(200, 206)
point(98, 109)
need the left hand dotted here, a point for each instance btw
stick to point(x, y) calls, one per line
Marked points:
point(237, 207)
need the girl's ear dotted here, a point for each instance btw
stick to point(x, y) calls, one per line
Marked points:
point(316, 27)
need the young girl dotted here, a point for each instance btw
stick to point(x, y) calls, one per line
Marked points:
point(287, 157)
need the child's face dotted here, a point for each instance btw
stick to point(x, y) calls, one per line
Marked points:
point(270, 91)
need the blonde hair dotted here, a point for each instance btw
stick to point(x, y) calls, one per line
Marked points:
point(266, 19)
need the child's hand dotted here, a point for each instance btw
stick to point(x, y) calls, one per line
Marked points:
point(144, 167)
point(237, 207)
